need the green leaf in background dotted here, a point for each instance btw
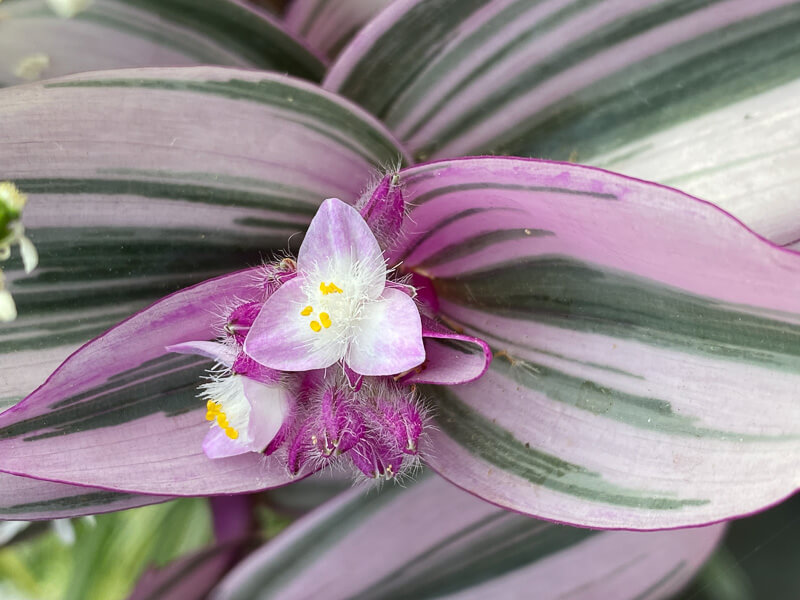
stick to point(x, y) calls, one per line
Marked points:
point(108, 558)
point(112, 34)
point(758, 560)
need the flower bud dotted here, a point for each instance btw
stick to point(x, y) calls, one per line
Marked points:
point(301, 447)
point(403, 420)
point(385, 210)
point(376, 456)
point(244, 365)
point(241, 319)
point(342, 426)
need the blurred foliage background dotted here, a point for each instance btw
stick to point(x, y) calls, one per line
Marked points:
point(759, 560)
point(107, 558)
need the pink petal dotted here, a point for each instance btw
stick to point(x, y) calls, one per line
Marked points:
point(269, 407)
point(337, 239)
point(390, 336)
point(218, 445)
point(225, 355)
point(450, 358)
point(281, 338)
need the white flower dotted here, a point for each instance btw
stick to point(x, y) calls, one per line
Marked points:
point(339, 306)
point(12, 201)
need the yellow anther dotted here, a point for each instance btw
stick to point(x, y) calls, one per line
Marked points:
point(315, 326)
point(330, 288)
point(222, 420)
point(325, 319)
point(212, 410)
point(307, 311)
point(231, 433)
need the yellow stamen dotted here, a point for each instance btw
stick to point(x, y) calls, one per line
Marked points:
point(315, 326)
point(212, 410)
point(307, 311)
point(325, 319)
point(330, 288)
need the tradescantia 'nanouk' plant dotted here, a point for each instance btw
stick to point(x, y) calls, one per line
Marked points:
point(321, 363)
point(632, 326)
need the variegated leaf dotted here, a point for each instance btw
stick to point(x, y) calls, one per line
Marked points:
point(697, 94)
point(431, 540)
point(145, 181)
point(36, 43)
point(129, 408)
point(647, 346)
point(327, 25)
point(24, 499)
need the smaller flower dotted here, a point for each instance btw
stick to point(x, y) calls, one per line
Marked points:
point(12, 201)
point(246, 404)
point(338, 307)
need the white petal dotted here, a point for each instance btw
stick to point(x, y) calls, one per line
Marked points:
point(30, 257)
point(8, 310)
point(223, 354)
point(218, 445)
point(339, 247)
point(269, 406)
point(389, 336)
point(281, 337)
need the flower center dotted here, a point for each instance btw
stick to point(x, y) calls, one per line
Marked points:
point(214, 412)
point(324, 318)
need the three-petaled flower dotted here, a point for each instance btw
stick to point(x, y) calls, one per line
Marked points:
point(339, 307)
point(324, 364)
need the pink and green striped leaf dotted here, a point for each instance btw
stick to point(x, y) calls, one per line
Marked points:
point(646, 345)
point(112, 34)
point(25, 499)
point(431, 540)
point(145, 181)
point(327, 25)
point(697, 94)
point(122, 413)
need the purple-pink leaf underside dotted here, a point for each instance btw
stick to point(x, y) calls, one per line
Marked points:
point(25, 499)
point(123, 414)
point(430, 540)
point(450, 357)
point(646, 345)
